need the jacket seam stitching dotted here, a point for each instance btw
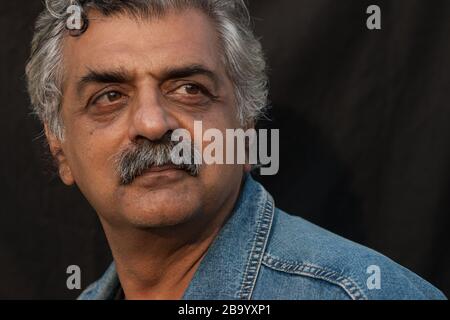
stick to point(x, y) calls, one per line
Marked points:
point(346, 283)
point(253, 266)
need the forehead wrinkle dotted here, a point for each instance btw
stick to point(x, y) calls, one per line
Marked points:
point(126, 73)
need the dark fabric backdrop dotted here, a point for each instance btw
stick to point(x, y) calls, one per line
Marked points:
point(367, 112)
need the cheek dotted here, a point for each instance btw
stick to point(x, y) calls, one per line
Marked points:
point(92, 150)
point(90, 159)
point(220, 179)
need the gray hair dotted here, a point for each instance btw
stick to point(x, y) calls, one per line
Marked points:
point(242, 53)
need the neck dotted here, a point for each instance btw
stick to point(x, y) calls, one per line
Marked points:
point(159, 263)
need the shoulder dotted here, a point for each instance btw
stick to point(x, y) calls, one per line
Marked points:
point(335, 267)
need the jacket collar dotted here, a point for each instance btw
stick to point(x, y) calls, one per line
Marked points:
point(231, 265)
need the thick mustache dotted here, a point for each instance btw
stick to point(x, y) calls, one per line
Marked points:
point(145, 154)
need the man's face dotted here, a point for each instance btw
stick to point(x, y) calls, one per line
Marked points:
point(128, 80)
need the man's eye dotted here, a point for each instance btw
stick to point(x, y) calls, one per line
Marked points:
point(110, 97)
point(190, 89)
point(192, 94)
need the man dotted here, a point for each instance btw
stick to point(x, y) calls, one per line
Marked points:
point(112, 90)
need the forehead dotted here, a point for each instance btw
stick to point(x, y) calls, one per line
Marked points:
point(143, 46)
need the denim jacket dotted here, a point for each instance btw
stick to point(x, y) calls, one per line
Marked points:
point(264, 253)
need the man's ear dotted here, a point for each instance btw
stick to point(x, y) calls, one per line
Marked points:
point(65, 173)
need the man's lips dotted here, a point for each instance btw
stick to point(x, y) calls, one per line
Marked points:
point(160, 175)
point(162, 168)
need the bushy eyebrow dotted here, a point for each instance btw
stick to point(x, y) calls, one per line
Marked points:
point(189, 71)
point(103, 76)
point(122, 76)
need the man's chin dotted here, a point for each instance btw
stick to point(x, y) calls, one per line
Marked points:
point(162, 207)
point(164, 218)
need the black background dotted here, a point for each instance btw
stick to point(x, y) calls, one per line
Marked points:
point(368, 114)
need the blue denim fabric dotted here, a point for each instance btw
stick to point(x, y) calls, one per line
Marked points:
point(264, 253)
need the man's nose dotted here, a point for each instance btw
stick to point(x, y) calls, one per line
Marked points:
point(150, 118)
